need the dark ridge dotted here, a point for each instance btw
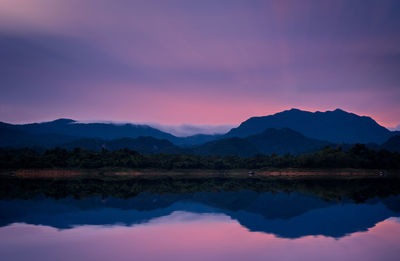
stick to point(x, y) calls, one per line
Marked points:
point(334, 126)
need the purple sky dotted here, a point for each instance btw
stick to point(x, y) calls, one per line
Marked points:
point(197, 62)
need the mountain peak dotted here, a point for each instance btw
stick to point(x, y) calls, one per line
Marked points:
point(339, 110)
point(60, 121)
point(294, 109)
point(334, 126)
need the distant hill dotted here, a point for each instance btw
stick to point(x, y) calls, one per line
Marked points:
point(270, 141)
point(145, 145)
point(292, 131)
point(285, 141)
point(229, 146)
point(195, 139)
point(64, 130)
point(92, 130)
point(392, 144)
point(15, 138)
point(335, 126)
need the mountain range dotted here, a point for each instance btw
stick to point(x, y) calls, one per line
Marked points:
point(292, 131)
point(280, 141)
point(335, 126)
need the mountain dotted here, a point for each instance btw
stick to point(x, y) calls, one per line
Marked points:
point(92, 130)
point(335, 126)
point(230, 146)
point(270, 141)
point(392, 144)
point(11, 137)
point(195, 139)
point(144, 145)
point(54, 133)
point(295, 132)
point(285, 141)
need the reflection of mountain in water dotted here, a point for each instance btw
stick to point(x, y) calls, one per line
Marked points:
point(286, 215)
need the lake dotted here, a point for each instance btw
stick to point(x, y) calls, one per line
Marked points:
point(237, 225)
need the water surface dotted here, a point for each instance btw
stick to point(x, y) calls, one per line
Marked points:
point(242, 225)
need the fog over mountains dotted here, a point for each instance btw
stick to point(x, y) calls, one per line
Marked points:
point(186, 130)
point(291, 131)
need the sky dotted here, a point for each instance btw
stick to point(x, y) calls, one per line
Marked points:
point(209, 62)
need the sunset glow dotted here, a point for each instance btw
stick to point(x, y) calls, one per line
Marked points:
point(197, 62)
point(204, 237)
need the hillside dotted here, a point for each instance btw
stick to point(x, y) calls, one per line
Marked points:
point(270, 141)
point(392, 144)
point(58, 132)
point(293, 131)
point(335, 126)
point(145, 145)
point(92, 130)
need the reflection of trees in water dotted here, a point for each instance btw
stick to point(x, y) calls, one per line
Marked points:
point(357, 189)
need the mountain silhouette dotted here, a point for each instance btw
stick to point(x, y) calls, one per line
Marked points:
point(58, 132)
point(144, 145)
point(335, 126)
point(231, 146)
point(392, 144)
point(270, 141)
point(293, 131)
point(70, 127)
point(18, 138)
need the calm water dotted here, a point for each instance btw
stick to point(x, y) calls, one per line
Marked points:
point(202, 226)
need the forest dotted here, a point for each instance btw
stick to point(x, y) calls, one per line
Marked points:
point(359, 156)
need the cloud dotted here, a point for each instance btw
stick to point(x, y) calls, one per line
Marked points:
point(188, 130)
point(395, 128)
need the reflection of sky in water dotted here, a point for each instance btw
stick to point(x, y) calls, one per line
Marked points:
point(190, 236)
point(396, 219)
point(187, 217)
point(201, 226)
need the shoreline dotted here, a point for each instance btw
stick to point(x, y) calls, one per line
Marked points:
point(287, 173)
point(358, 185)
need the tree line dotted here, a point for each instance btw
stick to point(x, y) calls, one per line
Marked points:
point(359, 156)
